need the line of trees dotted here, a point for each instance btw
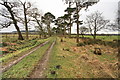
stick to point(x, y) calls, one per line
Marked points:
point(94, 23)
point(79, 5)
point(16, 11)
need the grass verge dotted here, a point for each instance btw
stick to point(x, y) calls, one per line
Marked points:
point(7, 58)
point(64, 59)
point(25, 66)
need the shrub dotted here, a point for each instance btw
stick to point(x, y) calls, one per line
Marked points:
point(4, 52)
point(92, 41)
point(66, 49)
point(81, 44)
point(12, 49)
point(3, 44)
point(88, 42)
point(61, 40)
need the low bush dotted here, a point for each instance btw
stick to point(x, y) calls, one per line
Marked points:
point(12, 49)
point(66, 49)
point(93, 41)
point(112, 44)
point(88, 42)
point(4, 52)
point(81, 44)
point(2, 44)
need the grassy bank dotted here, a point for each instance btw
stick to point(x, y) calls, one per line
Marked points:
point(25, 66)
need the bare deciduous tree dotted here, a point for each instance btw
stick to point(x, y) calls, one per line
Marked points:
point(36, 15)
point(11, 8)
point(26, 7)
point(83, 30)
point(23, 16)
point(96, 22)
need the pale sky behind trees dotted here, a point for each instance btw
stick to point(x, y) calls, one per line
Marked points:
point(109, 9)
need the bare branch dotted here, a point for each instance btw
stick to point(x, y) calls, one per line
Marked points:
point(6, 24)
point(96, 22)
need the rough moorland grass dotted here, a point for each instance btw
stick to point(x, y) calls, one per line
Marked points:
point(63, 58)
point(108, 57)
point(11, 55)
point(72, 66)
point(24, 67)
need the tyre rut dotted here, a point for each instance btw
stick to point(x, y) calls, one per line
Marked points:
point(38, 72)
point(5, 68)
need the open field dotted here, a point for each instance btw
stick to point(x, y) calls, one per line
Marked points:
point(103, 37)
point(107, 38)
point(13, 37)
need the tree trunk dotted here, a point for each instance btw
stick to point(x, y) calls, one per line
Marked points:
point(94, 36)
point(39, 25)
point(70, 28)
point(25, 18)
point(65, 32)
point(95, 30)
point(20, 37)
point(70, 20)
point(49, 32)
point(77, 40)
point(39, 35)
point(82, 35)
point(77, 33)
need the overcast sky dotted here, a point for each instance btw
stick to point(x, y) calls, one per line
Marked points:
point(107, 7)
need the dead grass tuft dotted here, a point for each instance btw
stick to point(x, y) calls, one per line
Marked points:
point(85, 57)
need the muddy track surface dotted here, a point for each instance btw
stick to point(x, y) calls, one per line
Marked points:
point(5, 68)
point(38, 71)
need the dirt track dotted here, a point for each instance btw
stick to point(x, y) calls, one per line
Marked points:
point(38, 72)
point(5, 68)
